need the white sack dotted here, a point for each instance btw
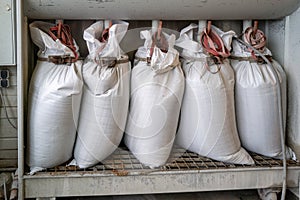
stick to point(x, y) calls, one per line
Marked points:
point(54, 101)
point(105, 98)
point(256, 100)
point(156, 95)
point(207, 125)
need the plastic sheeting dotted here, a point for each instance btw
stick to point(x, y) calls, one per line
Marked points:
point(207, 124)
point(105, 98)
point(54, 101)
point(156, 95)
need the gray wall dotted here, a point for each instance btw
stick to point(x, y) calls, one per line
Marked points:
point(8, 135)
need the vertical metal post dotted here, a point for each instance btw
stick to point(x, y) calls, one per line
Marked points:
point(298, 187)
point(201, 27)
point(155, 25)
point(107, 23)
point(59, 20)
point(246, 24)
point(20, 91)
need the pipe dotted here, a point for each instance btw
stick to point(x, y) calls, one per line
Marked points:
point(208, 26)
point(159, 30)
point(255, 27)
point(21, 66)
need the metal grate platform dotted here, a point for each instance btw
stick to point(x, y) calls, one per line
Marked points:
point(122, 162)
point(122, 174)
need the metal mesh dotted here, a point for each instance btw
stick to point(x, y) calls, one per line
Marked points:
point(123, 162)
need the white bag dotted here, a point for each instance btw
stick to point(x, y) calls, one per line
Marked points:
point(256, 100)
point(105, 98)
point(54, 101)
point(156, 95)
point(207, 125)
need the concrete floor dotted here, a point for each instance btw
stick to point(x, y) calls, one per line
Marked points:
point(220, 195)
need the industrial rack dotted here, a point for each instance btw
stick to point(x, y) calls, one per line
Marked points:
point(122, 173)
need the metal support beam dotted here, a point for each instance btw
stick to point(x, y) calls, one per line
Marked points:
point(158, 9)
point(88, 184)
point(21, 67)
point(201, 27)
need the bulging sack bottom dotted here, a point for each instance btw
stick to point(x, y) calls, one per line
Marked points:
point(258, 102)
point(103, 114)
point(207, 124)
point(154, 111)
point(104, 106)
point(156, 94)
point(54, 102)
point(257, 107)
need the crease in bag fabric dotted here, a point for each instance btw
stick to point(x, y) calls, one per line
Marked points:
point(156, 94)
point(54, 101)
point(256, 102)
point(104, 105)
point(207, 124)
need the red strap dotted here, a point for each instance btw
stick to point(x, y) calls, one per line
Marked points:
point(256, 38)
point(105, 33)
point(213, 44)
point(63, 33)
point(159, 40)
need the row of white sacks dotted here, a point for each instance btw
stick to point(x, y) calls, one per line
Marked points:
point(82, 110)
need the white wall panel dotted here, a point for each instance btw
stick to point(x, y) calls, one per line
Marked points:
point(292, 67)
point(7, 38)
